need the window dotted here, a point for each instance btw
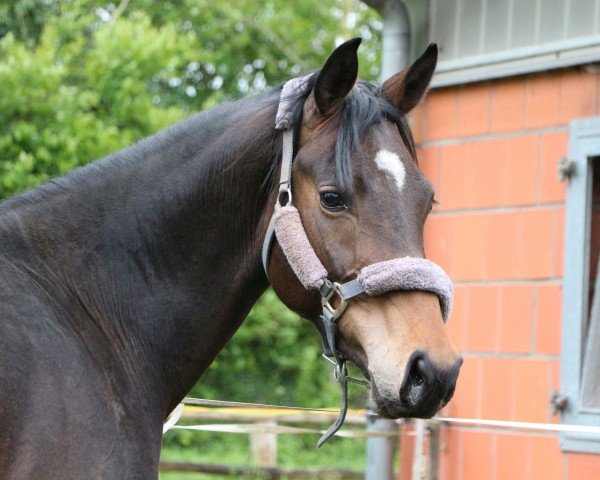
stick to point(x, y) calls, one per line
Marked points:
point(590, 387)
point(580, 364)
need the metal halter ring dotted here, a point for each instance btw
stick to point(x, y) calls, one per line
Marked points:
point(283, 193)
point(340, 373)
point(325, 301)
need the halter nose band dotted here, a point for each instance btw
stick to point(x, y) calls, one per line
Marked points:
point(409, 273)
point(406, 273)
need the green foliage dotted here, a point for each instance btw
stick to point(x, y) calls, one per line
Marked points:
point(247, 46)
point(293, 451)
point(274, 358)
point(25, 18)
point(82, 78)
point(66, 102)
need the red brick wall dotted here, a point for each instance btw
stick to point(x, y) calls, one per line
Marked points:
point(491, 149)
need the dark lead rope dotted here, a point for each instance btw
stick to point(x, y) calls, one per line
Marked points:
point(339, 374)
point(329, 317)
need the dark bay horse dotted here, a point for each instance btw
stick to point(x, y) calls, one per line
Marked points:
point(120, 282)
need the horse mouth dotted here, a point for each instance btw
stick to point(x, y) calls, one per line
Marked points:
point(394, 408)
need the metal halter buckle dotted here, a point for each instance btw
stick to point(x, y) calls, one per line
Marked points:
point(326, 301)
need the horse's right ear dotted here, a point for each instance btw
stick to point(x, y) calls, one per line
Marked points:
point(406, 88)
point(338, 76)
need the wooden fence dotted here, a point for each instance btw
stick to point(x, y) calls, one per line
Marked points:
point(263, 427)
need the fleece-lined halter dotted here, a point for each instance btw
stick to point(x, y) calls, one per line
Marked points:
point(406, 273)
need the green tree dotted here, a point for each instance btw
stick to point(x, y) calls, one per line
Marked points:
point(25, 18)
point(65, 101)
point(81, 78)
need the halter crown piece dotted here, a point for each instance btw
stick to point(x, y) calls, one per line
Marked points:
point(406, 273)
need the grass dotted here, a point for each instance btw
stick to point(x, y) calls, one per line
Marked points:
point(293, 451)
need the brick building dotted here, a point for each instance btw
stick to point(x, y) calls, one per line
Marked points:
point(513, 237)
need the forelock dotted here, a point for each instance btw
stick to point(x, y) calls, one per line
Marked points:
point(362, 110)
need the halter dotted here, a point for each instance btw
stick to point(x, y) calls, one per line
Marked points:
point(406, 273)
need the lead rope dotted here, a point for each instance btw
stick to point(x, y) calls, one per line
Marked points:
point(340, 374)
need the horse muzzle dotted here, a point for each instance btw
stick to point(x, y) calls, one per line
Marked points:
point(425, 389)
point(406, 351)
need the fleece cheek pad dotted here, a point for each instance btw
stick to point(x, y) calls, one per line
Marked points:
point(406, 273)
point(297, 248)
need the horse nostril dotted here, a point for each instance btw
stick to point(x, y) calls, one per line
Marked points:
point(416, 379)
point(426, 387)
point(449, 393)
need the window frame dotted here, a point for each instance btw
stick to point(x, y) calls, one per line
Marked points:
point(584, 146)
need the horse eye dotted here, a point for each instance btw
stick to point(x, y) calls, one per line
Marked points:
point(332, 201)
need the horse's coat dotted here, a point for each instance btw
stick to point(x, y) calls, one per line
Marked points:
point(121, 282)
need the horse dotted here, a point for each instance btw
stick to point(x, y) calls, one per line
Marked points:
point(121, 281)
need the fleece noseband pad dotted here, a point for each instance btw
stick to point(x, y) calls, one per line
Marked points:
point(406, 273)
point(409, 273)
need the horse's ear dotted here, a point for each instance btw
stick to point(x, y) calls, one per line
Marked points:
point(406, 88)
point(338, 76)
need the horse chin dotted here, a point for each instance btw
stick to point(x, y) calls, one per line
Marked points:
point(357, 357)
point(384, 407)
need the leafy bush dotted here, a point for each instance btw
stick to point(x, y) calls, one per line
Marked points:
point(274, 358)
point(66, 102)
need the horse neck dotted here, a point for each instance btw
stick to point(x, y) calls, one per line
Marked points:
point(169, 265)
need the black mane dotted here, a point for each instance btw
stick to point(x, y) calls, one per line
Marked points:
point(362, 109)
point(186, 137)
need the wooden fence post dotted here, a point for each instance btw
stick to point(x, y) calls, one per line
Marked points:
point(434, 449)
point(263, 446)
point(419, 458)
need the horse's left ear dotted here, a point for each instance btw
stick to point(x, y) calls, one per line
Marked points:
point(338, 75)
point(406, 88)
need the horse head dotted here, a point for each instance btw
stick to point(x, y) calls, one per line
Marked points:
point(362, 202)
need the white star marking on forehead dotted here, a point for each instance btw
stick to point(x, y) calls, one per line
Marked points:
point(391, 163)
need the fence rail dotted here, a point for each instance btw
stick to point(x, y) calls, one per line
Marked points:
point(263, 423)
point(263, 472)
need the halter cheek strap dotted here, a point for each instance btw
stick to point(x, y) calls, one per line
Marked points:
point(406, 273)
